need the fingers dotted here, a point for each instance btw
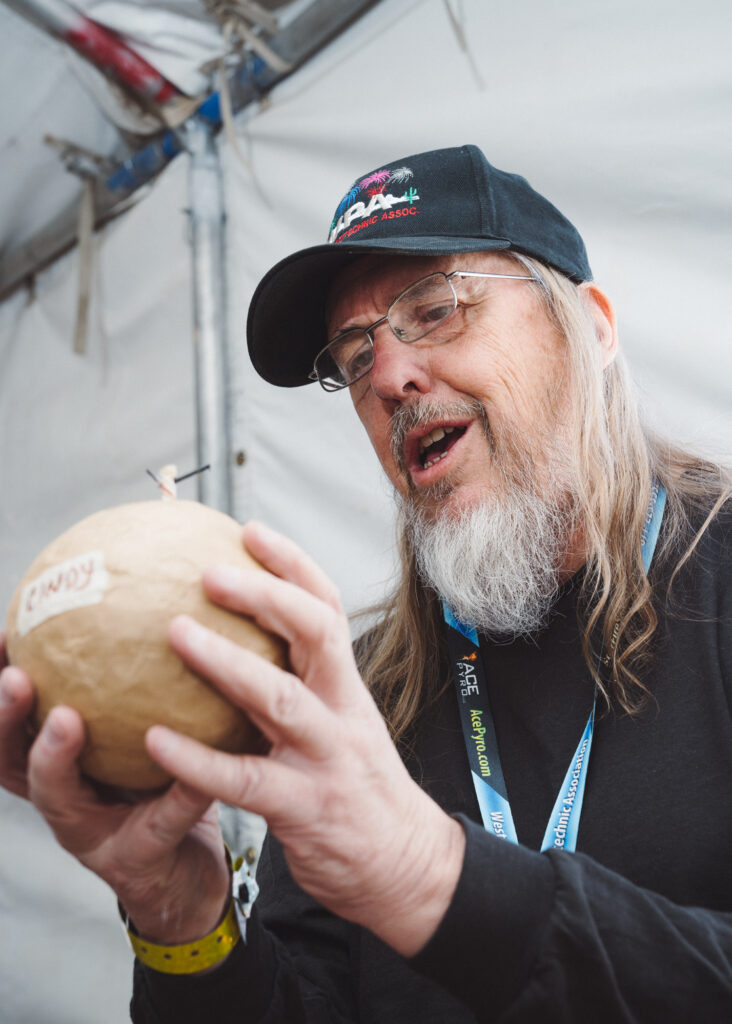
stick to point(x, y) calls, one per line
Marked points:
point(168, 819)
point(258, 784)
point(297, 601)
point(318, 634)
point(280, 607)
point(16, 703)
point(285, 710)
point(55, 784)
point(80, 821)
point(285, 559)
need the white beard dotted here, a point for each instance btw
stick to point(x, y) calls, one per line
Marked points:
point(496, 563)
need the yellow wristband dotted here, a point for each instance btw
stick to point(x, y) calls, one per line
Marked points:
point(189, 957)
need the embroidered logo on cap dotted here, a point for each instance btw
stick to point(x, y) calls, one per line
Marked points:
point(379, 202)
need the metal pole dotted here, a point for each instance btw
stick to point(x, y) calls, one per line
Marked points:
point(312, 29)
point(212, 370)
point(99, 45)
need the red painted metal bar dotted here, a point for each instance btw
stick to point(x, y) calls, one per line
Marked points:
point(99, 45)
point(114, 57)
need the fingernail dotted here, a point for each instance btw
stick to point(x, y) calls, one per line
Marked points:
point(226, 576)
point(7, 697)
point(188, 630)
point(162, 740)
point(55, 733)
point(195, 634)
point(264, 532)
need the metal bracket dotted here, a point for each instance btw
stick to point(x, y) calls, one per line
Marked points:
point(244, 24)
point(84, 163)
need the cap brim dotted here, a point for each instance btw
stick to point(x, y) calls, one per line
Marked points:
point(286, 323)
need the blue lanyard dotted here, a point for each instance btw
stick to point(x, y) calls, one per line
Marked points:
point(479, 730)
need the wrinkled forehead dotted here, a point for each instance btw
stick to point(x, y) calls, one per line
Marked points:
point(367, 286)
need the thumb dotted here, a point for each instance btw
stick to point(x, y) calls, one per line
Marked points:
point(167, 819)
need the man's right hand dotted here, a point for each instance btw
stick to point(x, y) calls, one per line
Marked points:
point(164, 857)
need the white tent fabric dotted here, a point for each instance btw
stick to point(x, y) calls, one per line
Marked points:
point(51, 101)
point(618, 114)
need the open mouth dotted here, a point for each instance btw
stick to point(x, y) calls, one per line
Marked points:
point(434, 446)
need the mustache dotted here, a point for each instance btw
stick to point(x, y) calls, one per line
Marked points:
point(410, 417)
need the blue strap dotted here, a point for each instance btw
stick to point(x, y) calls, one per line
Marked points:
point(479, 730)
point(561, 831)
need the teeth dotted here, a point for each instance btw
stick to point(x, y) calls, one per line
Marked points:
point(435, 435)
point(431, 462)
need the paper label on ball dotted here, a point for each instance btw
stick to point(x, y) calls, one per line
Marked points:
point(79, 582)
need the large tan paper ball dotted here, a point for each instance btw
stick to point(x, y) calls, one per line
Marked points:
point(89, 624)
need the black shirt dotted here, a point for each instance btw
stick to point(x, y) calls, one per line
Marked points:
point(635, 926)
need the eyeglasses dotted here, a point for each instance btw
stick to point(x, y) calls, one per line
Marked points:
point(414, 313)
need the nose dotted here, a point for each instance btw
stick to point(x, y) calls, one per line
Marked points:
point(399, 369)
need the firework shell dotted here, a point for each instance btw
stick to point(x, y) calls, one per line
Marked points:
point(89, 624)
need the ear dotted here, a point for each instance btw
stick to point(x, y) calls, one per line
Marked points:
point(601, 310)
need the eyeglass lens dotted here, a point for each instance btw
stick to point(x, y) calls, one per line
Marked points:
point(414, 313)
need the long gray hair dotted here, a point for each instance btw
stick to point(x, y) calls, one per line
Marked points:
point(617, 458)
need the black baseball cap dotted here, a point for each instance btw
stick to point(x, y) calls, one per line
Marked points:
point(438, 203)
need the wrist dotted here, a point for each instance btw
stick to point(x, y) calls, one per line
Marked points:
point(171, 912)
point(207, 952)
point(197, 957)
point(179, 922)
point(425, 890)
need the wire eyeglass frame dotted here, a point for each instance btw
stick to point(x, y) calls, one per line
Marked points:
point(331, 385)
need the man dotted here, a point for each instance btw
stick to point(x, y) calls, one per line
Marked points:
point(565, 592)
